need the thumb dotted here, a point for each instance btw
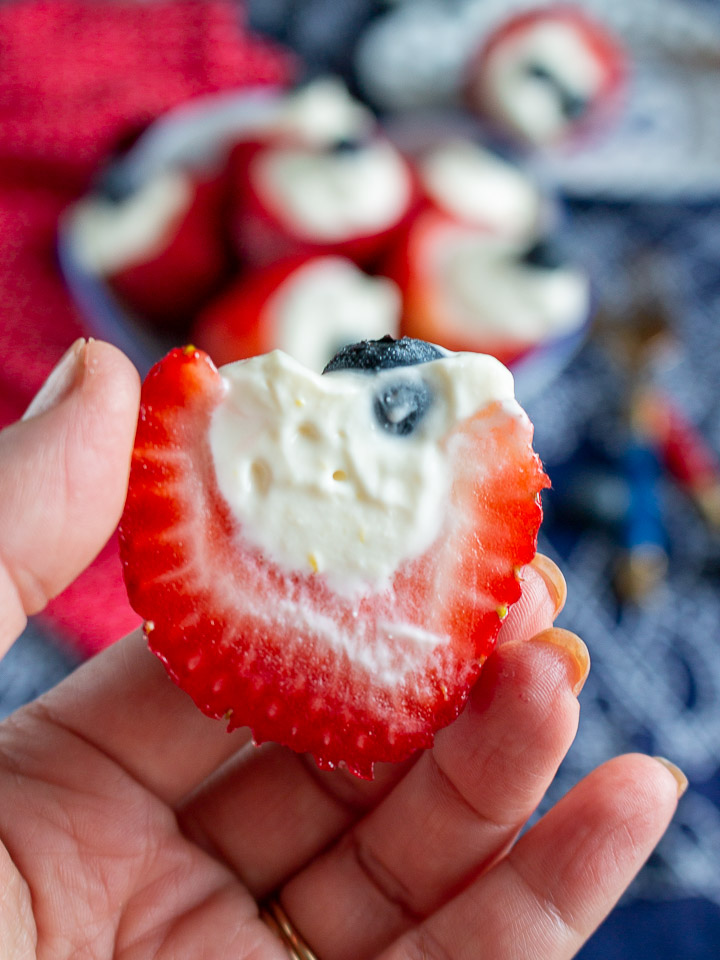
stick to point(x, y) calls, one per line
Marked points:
point(63, 478)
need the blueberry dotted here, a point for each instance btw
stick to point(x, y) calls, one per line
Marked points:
point(113, 185)
point(540, 72)
point(545, 255)
point(370, 356)
point(347, 145)
point(573, 105)
point(400, 406)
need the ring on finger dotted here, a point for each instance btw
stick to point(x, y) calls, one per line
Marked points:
point(274, 917)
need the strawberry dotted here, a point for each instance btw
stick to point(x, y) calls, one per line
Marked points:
point(280, 600)
point(348, 197)
point(467, 289)
point(161, 249)
point(471, 183)
point(548, 76)
point(308, 308)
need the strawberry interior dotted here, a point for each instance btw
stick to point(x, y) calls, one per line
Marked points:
point(351, 680)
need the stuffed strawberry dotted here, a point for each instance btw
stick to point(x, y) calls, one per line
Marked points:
point(322, 179)
point(470, 290)
point(548, 76)
point(161, 248)
point(469, 182)
point(327, 558)
point(307, 308)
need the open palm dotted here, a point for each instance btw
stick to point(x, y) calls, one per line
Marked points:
point(134, 827)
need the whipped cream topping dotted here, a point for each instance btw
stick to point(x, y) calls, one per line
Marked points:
point(323, 112)
point(319, 484)
point(474, 184)
point(528, 103)
point(328, 303)
point(109, 237)
point(334, 196)
point(496, 297)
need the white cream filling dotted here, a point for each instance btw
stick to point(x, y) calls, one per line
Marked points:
point(328, 303)
point(334, 196)
point(496, 298)
point(322, 113)
point(475, 185)
point(316, 482)
point(109, 237)
point(529, 104)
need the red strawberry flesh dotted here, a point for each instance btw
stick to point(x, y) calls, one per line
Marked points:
point(267, 647)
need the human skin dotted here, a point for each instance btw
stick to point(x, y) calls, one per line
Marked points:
point(134, 827)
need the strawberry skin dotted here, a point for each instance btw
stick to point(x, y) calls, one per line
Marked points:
point(248, 640)
point(234, 325)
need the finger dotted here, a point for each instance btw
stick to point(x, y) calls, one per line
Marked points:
point(267, 814)
point(457, 811)
point(544, 592)
point(271, 812)
point(124, 704)
point(563, 877)
point(63, 478)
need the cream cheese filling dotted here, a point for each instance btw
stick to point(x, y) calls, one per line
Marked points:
point(328, 303)
point(495, 297)
point(109, 237)
point(319, 485)
point(473, 184)
point(334, 196)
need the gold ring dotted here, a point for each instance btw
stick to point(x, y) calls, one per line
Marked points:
point(274, 917)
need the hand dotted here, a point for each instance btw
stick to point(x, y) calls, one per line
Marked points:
point(134, 827)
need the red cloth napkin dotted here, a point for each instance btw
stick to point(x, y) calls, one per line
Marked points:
point(77, 81)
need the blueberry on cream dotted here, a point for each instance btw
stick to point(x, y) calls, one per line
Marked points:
point(545, 73)
point(386, 353)
point(112, 232)
point(347, 474)
point(322, 113)
point(335, 193)
point(475, 291)
point(399, 407)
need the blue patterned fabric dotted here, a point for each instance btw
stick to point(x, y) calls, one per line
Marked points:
point(655, 681)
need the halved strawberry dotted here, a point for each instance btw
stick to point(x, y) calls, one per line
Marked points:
point(350, 197)
point(469, 290)
point(471, 183)
point(333, 614)
point(548, 75)
point(307, 307)
point(170, 285)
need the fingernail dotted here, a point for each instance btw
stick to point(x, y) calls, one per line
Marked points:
point(63, 378)
point(553, 577)
point(575, 650)
point(680, 778)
